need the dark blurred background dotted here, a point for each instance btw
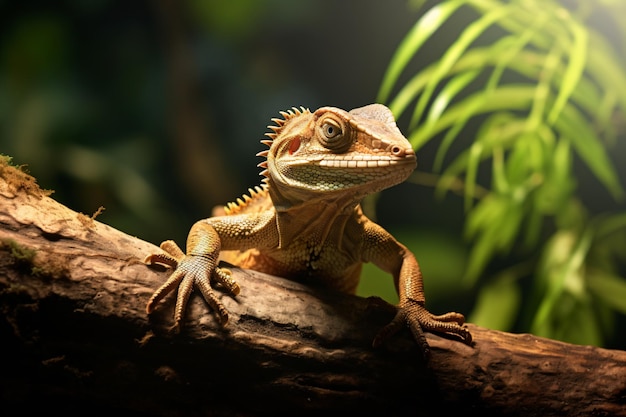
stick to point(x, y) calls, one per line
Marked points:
point(155, 109)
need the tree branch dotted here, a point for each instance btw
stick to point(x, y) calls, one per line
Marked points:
point(77, 339)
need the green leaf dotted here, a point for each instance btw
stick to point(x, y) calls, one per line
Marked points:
point(476, 59)
point(485, 211)
point(532, 232)
point(542, 88)
point(497, 304)
point(605, 69)
point(452, 55)
point(482, 226)
point(447, 94)
point(562, 259)
point(606, 225)
point(577, 323)
point(510, 225)
point(420, 33)
point(493, 224)
point(509, 97)
point(575, 69)
point(475, 156)
point(609, 287)
point(571, 124)
point(499, 130)
point(557, 186)
point(482, 251)
point(449, 137)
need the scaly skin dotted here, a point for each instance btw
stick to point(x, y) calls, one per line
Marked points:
point(305, 221)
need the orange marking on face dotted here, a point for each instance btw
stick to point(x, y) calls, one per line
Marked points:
point(294, 145)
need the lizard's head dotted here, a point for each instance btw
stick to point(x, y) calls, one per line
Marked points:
point(332, 152)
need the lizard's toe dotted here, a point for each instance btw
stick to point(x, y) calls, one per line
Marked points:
point(418, 319)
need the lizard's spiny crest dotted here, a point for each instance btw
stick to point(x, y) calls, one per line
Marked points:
point(276, 128)
point(255, 196)
point(279, 123)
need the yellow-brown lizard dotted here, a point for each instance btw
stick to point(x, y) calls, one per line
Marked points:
point(305, 220)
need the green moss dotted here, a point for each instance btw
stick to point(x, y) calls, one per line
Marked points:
point(21, 254)
point(24, 259)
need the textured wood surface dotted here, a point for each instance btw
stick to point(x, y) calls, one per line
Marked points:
point(77, 340)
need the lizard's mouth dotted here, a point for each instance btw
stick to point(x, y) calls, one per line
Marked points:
point(363, 174)
point(365, 161)
point(374, 172)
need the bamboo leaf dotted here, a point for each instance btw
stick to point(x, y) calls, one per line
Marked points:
point(509, 97)
point(557, 185)
point(527, 64)
point(587, 144)
point(480, 254)
point(493, 224)
point(521, 17)
point(451, 174)
point(563, 258)
point(452, 55)
point(610, 288)
point(508, 230)
point(542, 89)
point(577, 323)
point(450, 135)
point(610, 224)
point(532, 232)
point(605, 69)
point(447, 94)
point(475, 156)
point(420, 33)
point(497, 304)
point(485, 211)
point(574, 71)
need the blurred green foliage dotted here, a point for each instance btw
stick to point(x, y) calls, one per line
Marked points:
point(541, 87)
point(83, 124)
point(442, 258)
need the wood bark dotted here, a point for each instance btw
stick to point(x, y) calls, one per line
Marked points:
point(77, 340)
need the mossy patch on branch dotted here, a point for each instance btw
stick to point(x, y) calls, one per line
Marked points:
point(22, 256)
point(24, 259)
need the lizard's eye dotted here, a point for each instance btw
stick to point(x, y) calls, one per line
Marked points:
point(333, 136)
point(330, 130)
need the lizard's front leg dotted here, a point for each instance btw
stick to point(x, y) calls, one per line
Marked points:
point(390, 255)
point(198, 268)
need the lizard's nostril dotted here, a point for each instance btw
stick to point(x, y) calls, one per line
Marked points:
point(400, 151)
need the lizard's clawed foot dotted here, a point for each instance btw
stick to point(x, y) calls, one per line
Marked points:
point(418, 319)
point(190, 271)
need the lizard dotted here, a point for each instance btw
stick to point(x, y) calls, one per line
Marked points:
point(305, 220)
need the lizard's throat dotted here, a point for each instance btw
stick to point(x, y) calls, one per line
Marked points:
point(301, 213)
point(287, 197)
